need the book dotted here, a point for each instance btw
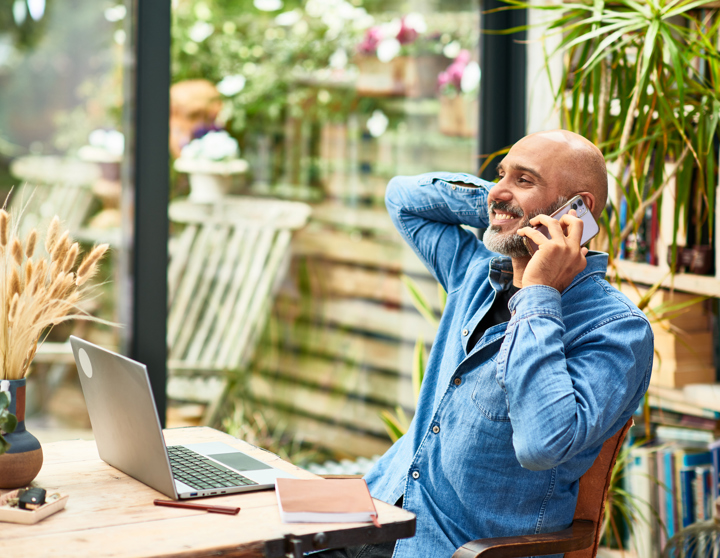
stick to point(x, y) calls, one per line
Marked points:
point(642, 477)
point(687, 479)
point(325, 501)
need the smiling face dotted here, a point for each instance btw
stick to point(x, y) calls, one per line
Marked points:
point(537, 176)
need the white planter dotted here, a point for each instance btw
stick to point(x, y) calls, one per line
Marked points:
point(210, 181)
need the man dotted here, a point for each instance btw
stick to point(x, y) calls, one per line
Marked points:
point(537, 360)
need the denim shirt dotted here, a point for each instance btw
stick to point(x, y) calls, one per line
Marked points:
point(504, 430)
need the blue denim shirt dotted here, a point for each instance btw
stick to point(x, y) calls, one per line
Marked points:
point(504, 430)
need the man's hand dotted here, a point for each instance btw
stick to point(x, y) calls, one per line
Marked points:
point(559, 258)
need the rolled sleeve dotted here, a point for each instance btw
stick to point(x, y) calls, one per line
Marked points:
point(566, 396)
point(429, 210)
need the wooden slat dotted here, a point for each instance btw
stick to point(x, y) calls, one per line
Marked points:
point(339, 377)
point(340, 247)
point(309, 401)
point(254, 321)
point(240, 311)
point(186, 289)
point(375, 220)
point(219, 296)
point(343, 280)
point(229, 305)
point(347, 346)
point(217, 239)
point(179, 257)
point(340, 439)
point(365, 316)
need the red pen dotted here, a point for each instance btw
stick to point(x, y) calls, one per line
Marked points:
point(211, 509)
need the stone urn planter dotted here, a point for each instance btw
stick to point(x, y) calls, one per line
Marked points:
point(22, 462)
point(210, 180)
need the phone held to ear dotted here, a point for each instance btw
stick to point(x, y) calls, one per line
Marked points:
point(590, 226)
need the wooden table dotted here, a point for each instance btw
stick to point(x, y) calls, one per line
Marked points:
point(111, 514)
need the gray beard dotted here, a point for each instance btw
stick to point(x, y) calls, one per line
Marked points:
point(512, 245)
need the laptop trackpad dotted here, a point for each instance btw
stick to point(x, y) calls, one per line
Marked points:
point(239, 461)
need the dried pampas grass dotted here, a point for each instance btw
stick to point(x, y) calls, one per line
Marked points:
point(37, 293)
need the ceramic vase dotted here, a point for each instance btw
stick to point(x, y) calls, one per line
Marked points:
point(22, 462)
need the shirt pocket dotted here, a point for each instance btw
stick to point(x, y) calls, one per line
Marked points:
point(487, 394)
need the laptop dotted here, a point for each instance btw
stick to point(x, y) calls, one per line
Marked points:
point(127, 431)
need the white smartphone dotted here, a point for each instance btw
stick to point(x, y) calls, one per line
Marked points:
point(590, 226)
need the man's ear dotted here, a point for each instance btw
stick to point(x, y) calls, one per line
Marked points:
point(589, 200)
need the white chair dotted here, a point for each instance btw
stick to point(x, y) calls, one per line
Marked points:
point(224, 269)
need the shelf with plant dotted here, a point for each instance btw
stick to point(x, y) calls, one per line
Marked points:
point(641, 80)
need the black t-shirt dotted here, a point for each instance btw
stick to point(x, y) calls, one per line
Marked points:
point(497, 314)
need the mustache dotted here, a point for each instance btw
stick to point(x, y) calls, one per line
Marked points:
point(505, 207)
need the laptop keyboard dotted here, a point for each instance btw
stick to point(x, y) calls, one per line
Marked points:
point(201, 473)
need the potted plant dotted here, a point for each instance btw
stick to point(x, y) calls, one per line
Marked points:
point(37, 291)
point(458, 86)
point(641, 81)
point(211, 161)
point(8, 421)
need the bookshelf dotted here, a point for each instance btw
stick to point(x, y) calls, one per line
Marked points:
point(646, 274)
point(695, 399)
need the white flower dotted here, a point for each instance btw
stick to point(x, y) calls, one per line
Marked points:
point(615, 107)
point(416, 21)
point(115, 142)
point(231, 85)
point(301, 28)
point(339, 59)
point(362, 20)
point(470, 78)
point(216, 146)
point(452, 49)
point(111, 141)
point(200, 31)
point(391, 28)
point(115, 13)
point(377, 123)
point(388, 49)
point(36, 8)
point(287, 19)
point(268, 5)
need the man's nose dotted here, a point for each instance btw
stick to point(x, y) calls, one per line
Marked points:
point(500, 192)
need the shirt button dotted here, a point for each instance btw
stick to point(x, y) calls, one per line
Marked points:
point(453, 186)
point(465, 332)
point(457, 381)
point(415, 475)
point(436, 429)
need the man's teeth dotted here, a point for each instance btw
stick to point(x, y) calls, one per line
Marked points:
point(504, 216)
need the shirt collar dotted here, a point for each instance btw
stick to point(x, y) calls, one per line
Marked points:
point(501, 270)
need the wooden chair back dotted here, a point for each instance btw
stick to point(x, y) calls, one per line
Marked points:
point(52, 186)
point(594, 486)
point(224, 268)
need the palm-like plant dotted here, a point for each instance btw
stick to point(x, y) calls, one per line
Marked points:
point(642, 81)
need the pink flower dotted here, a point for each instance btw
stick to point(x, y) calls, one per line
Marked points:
point(372, 38)
point(406, 35)
point(452, 76)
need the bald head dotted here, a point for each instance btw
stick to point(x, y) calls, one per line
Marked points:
point(578, 164)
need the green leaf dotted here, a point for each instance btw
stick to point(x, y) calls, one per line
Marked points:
point(648, 50)
point(684, 8)
point(8, 422)
point(418, 368)
point(395, 425)
point(419, 300)
point(442, 296)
